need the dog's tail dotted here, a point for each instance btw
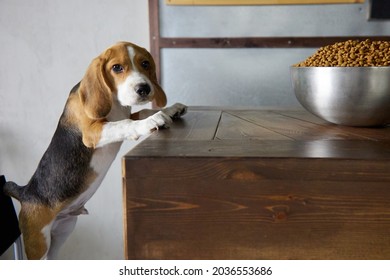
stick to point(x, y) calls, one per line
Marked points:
point(13, 189)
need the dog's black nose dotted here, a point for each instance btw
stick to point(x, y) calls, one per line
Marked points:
point(142, 89)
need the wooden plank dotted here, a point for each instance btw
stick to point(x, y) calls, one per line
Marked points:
point(352, 149)
point(294, 128)
point(202, 218)
point(372, 133)
point(257, 2)
point(201, 125)
point(232, 126)
point(154, 36)
point(260, 42)
point(258, 169)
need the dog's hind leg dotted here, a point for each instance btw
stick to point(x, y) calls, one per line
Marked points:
point(61, 229)
point(35, 224)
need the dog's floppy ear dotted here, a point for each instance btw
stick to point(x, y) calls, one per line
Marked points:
point(160, 98)
point(95, 90)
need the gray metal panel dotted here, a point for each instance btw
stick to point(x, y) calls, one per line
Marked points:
point(263, 21)
point(249, 77)
point(231, 77)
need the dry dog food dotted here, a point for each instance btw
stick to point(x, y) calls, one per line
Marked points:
point(350, 54)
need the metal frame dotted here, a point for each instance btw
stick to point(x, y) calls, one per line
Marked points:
point(157, 42)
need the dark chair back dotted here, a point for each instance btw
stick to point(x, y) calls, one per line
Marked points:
point(8, 220)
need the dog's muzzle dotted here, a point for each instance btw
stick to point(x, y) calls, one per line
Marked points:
point(143, 90)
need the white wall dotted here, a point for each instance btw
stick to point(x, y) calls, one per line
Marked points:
point(45, 48)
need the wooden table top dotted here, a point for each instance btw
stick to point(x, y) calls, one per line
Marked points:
point(258, 184)
point(219, 132)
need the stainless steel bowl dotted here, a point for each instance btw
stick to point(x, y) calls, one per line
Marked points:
point(353, 96)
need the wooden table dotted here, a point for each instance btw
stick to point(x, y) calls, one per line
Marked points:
point(258, 184)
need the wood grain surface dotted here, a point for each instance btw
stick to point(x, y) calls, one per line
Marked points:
point(255, 184)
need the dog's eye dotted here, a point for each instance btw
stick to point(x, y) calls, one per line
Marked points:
point(117, 68)
point(145, 64)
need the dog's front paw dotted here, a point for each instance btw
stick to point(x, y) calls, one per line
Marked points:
point(159, 119)
point(150, 124)
point(175, 111)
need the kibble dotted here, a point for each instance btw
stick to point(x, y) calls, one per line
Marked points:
point(351, 53)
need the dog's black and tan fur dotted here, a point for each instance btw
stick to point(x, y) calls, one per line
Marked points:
point(95, 120)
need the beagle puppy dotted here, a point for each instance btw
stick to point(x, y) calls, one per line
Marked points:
point(95, 121)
